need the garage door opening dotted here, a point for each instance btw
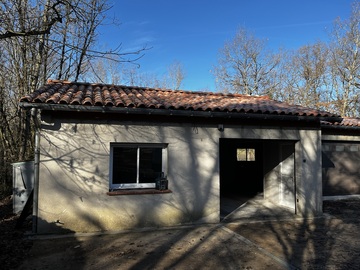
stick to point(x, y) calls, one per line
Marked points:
point(241, 173)
point(341, 168)
point(255, 170)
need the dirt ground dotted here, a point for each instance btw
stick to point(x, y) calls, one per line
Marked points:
point(328, 242)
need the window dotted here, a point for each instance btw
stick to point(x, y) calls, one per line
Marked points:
point(339, 148)
point(136, 165)
point(245, 154)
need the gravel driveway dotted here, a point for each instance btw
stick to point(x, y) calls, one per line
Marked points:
point(328, 242)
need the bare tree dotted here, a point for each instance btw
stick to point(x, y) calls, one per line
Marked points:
point(245, 66)
point(108, 71)
point(175, 76)
point(41, 39)
point(14, 13)
point(305, 78)
point(320, 75)
point(122, 73)
point(345, 64)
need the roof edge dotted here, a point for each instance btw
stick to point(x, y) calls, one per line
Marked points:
point(339, 127)
point(177, 112)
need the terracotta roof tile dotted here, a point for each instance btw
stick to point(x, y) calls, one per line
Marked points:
point(75, 93)
point(346, 122)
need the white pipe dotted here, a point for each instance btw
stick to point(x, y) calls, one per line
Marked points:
point(34, 113)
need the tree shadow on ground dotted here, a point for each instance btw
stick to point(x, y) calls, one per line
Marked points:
point(14, 246)
point(330, 241)
point(17, 239)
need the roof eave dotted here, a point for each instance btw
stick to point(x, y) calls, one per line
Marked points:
point(340, 127)
point(174, 112)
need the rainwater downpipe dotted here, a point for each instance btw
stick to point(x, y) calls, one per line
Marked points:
point(34, 114)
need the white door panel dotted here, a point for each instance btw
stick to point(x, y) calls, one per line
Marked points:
point(287, 181)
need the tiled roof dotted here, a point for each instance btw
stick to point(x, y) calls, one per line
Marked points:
point(86, 94)
point(346, 122)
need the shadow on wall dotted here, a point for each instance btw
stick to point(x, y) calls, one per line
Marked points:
point(340, 173)
point(76, 162)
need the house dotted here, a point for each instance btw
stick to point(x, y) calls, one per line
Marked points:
point(115, 157)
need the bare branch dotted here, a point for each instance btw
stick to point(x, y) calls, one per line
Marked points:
point(45, 29)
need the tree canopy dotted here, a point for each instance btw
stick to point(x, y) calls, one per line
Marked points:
point(322, 75)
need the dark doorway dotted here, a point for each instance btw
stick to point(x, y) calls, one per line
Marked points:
point(241, 172)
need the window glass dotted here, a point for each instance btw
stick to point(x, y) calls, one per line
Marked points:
point(340, 148)
point(241, 154)
point(245, 154)
point(150, 165)
point(124, 165)
point(250, 154)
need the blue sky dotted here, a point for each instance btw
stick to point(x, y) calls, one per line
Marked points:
point(192, 31)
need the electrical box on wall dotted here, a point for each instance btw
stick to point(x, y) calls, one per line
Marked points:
point(161, 183)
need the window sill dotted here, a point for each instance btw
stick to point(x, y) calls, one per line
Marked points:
point(137, 192)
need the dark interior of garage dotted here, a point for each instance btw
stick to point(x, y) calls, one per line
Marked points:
point(243, 165)
point(241, 172)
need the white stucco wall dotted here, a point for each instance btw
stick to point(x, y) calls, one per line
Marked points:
point(74, 174)
point(309, 178)
point(74, 178)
